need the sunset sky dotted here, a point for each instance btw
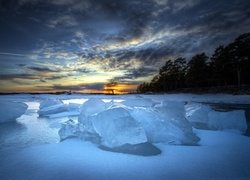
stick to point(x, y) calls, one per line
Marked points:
point(81, 45)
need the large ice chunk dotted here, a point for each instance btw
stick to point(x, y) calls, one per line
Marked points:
point(116, 128)
point(204, 117)
point(174, 112)
point(54, 109)
point(232, 120)
point(73, 107)
point(71, 129)
point(90, 107)
point(49, 102)
point(9, 111)
point(197, 114)
point(51, 106)
point(161, 129)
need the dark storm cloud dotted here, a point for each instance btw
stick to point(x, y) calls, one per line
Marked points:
point(122, 20)
point(210, 23)
point(30, 77)
point(132, 16)
point(83, 70)
point(126, 18)
point(21, 65)
point(67, 88)
point(198, 25)
point(98, 86)
point(139, 72)
point(149, 57)
point(55, 77)
point(18, 76)
point(43, 69)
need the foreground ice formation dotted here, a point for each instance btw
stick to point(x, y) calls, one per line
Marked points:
point(56, 108)
point(129, 123)
point(124, 126)
point(111, 128)
point(174, 114)
point(69, 129)
point(91, 107)
point(161, 129)
point(117, 127)
point(51, 106)
point(11, 110)
point(204, 117)
point(233, 120)
point(49, 102)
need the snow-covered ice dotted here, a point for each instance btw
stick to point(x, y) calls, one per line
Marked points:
point(204, 117)
point(233, 120)
point(53, 108)
point(220, 155)
point(10, 110)
point(138, 102)
point(49, 102)
point(31, 147)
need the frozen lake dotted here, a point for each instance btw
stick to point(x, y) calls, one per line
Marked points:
point(31, 147)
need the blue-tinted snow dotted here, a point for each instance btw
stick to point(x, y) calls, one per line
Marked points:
point(30, 148)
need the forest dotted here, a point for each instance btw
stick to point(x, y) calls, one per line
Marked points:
point(229, 66)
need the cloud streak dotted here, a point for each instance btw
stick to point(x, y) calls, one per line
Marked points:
point(18, 76)
point(43, 69)
point(12, 54)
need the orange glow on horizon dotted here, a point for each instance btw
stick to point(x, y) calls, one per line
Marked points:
point(117, 89)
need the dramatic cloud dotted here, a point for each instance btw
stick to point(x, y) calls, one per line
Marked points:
point(68, 42)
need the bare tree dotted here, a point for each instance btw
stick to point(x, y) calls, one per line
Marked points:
point(111, 87)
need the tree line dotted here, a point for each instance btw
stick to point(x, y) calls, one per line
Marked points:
point(229, 65)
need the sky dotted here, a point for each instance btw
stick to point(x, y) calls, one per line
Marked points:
point(81, 45)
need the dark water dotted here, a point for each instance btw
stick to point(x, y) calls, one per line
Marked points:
point(28, 130)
